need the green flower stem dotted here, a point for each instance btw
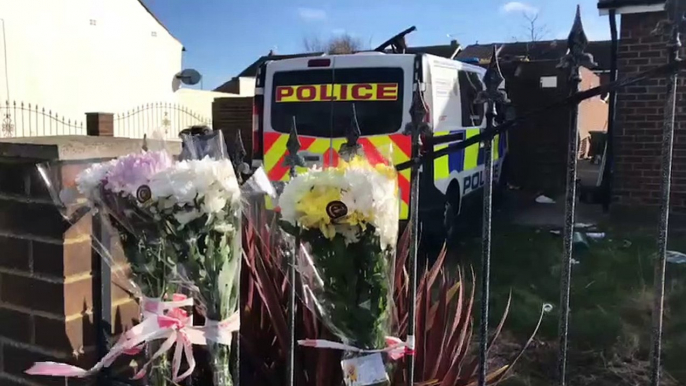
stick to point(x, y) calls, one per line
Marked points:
point(220, 362)
point(151, 266)
point(214, 266)
point(356, 290)
point(159, 373)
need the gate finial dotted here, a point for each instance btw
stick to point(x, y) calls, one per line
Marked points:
point(673, 27)
point(293, 159)
point(351, 148)
point(239, 152)
point(493, 79)
point(418, 109)
point(418, 113)
point(576, 45)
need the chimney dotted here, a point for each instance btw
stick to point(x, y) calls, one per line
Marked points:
point(454, 43)
point(271, 53)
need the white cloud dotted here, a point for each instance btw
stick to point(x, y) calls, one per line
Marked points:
point(311, 14)
point(516, 6)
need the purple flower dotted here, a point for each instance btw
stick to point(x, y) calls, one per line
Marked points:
point(131, 171)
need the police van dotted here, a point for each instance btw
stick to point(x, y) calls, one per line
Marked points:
point(324, 94)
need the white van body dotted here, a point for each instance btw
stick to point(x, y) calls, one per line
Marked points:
point(448, 88)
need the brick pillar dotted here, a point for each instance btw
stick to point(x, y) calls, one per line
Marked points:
point(640, 121)
point(100, 124)
point(46, 279)
point(230, 115)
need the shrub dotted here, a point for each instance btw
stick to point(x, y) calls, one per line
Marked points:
point(443, 347)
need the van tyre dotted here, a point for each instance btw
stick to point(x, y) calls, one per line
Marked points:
point(500, 189)
point(451, 214)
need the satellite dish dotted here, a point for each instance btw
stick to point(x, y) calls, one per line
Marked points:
point(189, 76)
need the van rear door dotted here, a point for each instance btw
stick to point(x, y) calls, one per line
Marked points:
point(322, 101)
point(322, 93)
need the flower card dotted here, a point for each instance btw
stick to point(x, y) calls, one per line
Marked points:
point(365, 370)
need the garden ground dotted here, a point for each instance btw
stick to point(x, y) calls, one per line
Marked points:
point(611, 301)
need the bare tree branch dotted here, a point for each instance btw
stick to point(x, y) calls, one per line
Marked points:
point(313, 44)
point(535, 32)
point(341, 44)
point(344, 44)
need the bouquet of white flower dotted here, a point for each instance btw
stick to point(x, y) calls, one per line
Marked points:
point(199, 203)
point(347, 220)
point(117, 188)
point(178, 223)
point(118, 192)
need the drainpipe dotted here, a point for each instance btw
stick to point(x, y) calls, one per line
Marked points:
point(606, 186)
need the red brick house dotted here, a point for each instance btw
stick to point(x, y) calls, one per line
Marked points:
point(639, 109)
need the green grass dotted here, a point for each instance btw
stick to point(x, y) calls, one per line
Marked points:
point(611, 302)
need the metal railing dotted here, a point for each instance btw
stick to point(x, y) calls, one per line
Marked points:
point(571, 63)
point(20, 119)
point(491, 96)
point(157, 119)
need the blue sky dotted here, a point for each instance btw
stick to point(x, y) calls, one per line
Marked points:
point(222, 37)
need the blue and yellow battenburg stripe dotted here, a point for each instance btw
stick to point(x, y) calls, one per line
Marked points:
point(466, 159)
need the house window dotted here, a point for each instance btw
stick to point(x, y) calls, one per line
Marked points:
point(153, 34)
point(470, 85)
point(93, 22)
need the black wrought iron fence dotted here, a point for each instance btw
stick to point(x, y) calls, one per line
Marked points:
point(161, 118)
point(20, 119)
point(492, 96)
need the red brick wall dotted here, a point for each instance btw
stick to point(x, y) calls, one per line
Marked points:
point(639, 119)
point(46, 295)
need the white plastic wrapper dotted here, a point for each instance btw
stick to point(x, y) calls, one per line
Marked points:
point(346, 218)
point(171, 231)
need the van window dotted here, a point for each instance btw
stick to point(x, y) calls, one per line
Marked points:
point(470, 85)
point(322, 100)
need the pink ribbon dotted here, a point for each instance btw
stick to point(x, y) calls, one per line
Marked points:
point(395, 348)
point(174, 327)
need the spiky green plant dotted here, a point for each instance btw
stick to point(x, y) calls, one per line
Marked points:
point(444, 323)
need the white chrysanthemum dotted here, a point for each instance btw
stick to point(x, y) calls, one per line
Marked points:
point(363, 190)
point(210, 183)
point(184, 217)
point(90, 179)
point(223, 227)
point(375, 195)
point(214, 201)
point(294, 190)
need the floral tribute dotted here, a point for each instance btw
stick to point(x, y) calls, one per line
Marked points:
point(177, 223)
point(347, 220)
